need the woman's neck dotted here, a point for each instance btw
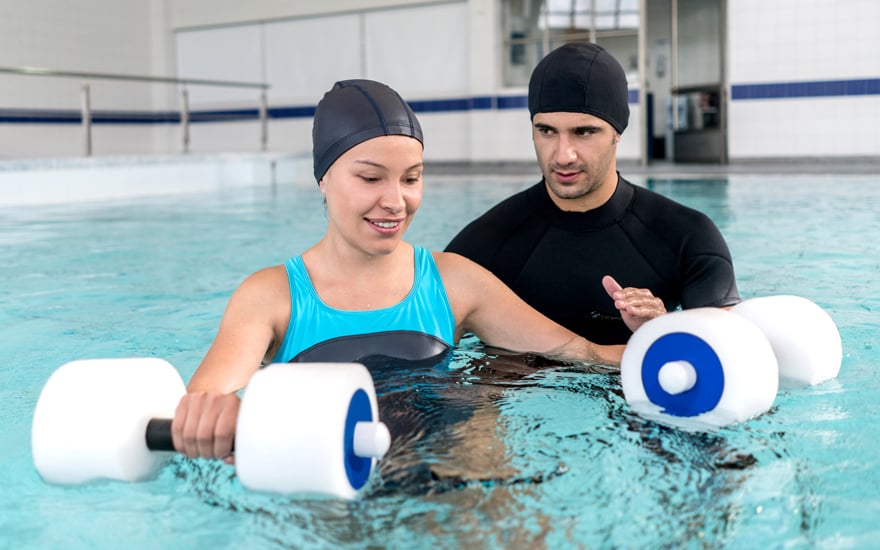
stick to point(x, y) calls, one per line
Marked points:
point(348, 279)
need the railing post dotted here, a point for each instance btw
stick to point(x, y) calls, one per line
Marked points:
point(264, 121)
point(184, 118)
point(86, 109)
point(86, 114)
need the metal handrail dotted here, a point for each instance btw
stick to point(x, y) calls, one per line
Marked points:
point(85, 102)
point(39, 71)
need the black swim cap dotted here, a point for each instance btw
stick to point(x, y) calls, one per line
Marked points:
point(581, 78)
point(353, 112)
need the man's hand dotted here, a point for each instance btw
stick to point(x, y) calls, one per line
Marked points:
point(636, 305)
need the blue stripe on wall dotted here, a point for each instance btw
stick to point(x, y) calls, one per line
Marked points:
point(739, 92)
point(57, 116)
point(778, 90)
point(819, 88)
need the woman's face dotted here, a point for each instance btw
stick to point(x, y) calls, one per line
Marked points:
point(373, 191)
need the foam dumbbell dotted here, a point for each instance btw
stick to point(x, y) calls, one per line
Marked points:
point(804, 338)
point(302, 428)
point(710, 367)
point(328, 415)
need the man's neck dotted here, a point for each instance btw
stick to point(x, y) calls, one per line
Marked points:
point(590, 201)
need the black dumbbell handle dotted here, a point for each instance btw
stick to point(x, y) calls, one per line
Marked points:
point(159, 435)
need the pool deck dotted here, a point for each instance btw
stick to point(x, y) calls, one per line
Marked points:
point(855, 165)
point(62, 181)
point(32, 182)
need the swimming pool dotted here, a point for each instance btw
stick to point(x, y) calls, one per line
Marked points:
point(489, 451)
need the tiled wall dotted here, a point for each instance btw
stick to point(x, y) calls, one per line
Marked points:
point(805, 78)
point(39, 116)
point(804, 75)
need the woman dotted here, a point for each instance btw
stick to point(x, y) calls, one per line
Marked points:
point(361, 290)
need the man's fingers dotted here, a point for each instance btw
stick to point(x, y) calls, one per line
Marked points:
point(646, 302)
point(647, 309)
point(611, 285)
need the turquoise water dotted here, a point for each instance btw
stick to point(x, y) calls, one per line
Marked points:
point(495, 452)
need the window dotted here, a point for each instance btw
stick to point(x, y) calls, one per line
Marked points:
point(534, 27)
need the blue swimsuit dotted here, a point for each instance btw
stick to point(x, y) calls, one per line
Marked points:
point(420, 327)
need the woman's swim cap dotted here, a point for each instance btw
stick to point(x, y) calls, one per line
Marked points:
point(353, 112)
point(581, 78)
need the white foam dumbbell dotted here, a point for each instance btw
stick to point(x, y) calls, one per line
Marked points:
point(302, 428)
point(309, 428)
point(710, 367)
point(804, 338)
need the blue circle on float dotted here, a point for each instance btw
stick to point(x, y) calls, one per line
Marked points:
point(357, 468)
point(682, 346)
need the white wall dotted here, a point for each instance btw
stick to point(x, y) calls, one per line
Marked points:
point(699, 55)
point(788, 41)
point(87, 35)
point(658, 44)
point(426, 51)
point(196, 13)
point(429, 51)
point(302, 57)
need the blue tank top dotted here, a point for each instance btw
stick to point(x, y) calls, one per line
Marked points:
point(420, 327)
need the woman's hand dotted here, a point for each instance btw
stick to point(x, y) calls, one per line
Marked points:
point(204, 425)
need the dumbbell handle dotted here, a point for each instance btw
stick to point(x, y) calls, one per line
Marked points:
point(371, 438)
point(158, 435)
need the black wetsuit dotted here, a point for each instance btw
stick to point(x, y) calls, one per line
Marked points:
point(555, 260)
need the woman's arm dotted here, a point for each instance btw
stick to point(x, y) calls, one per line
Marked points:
point(204, 422)
point(484, 306)
point(248, 327)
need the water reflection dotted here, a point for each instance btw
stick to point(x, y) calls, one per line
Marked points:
point(509, 450)
point(711, 196)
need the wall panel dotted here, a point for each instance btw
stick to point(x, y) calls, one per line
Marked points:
point(420, 51)
point(305, 56)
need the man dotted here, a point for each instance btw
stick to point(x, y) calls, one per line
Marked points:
point(564, 244)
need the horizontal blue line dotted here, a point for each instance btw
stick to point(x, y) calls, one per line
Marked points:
point(59, 116)
point(819, 88)
point(291, 112)
point(779, 90)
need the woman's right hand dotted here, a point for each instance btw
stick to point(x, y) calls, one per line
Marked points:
point(204, 425)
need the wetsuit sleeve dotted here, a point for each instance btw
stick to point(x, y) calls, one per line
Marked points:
point(488, 239)
point(708, 275)
point(478, 241)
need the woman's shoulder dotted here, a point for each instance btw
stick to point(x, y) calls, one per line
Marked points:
point(457, 270)
point(267, 283)
point(268, 274)
point(450, 260)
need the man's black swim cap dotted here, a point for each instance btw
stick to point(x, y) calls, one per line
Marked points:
point(353, 112)
point(581, 78)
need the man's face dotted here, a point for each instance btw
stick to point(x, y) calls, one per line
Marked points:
point(577, 153)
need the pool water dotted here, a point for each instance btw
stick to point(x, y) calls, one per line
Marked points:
point(491, 450)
